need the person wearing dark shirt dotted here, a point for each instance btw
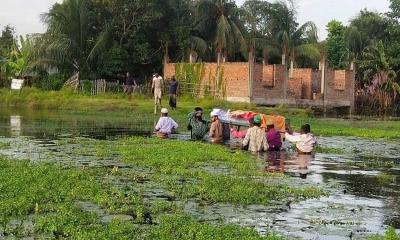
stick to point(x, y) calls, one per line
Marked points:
point(130, 85)
point(173, 89)
point(273, 137)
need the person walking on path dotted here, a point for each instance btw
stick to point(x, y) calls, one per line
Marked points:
point(197, 125)
point(255, 138)
point(216, 130)
point(173, 89)
point(156, 86)
point(130, 85)
point(305, 141)
point(165, 125)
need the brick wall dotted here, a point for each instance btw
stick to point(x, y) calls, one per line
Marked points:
point(339, 86)
point(316, 83)
point(268, 83)
point(264, 77)
point(304, 78)
point(234, 80)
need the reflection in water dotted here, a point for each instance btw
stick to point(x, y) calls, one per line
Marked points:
point(15, 126)
point(293, 164)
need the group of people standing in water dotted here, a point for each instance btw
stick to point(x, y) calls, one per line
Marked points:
point(255, 138)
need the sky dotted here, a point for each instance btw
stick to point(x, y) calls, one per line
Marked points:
point(24, 15)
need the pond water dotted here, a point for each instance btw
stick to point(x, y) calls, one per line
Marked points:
point(362, 179)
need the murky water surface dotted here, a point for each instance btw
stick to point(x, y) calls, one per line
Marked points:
point(362, 180)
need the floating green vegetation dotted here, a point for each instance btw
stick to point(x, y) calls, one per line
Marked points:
point(321, 149)
point(385, 178)
point(389, 235)
point(47, 201)
point(47, 195)
point(375, 162)
point(209, 173)
point(4, 145)
point(183, 227)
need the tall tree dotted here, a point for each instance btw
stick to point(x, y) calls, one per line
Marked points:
point(70, 35)
point(335, 45)
point(218, 22)
point(7, 40)
point(294, 40)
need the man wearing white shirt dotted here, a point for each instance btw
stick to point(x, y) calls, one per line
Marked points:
point(305, 141)
point(165, 125)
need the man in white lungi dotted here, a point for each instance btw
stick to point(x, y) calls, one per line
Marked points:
point(157, 86)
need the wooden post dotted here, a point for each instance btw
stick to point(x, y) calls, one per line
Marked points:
point(323, 87)
point(353, 91)
point(251, 75)
point(285, 84)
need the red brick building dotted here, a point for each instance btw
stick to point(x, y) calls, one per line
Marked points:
point(270, 84)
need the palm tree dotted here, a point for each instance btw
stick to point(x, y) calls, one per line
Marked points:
point(354, 44)
point(217, 21)
point(292, 40)
point(198, 46)
point(70, 40)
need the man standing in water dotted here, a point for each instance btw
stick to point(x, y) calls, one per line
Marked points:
point(305, 141)
point(165, 125)
point(255, 137)
point(156, 86)
point(197, 125)
point(173, 88)
point(273, 137)
point(216, 132)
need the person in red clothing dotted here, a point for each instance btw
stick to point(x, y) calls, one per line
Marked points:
point(241, 134)
point(273, 137)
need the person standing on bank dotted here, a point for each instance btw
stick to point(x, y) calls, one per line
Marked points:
point(130, 85)
point(173, 89)
point(255, 138)
point(216, 130)
point(305, 141)
point(165, 125)
point(197, 126)
point(156, 86)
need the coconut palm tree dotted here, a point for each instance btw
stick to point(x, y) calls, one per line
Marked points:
point(292, 39)
point(217, 21)
point(71, 37)
point(354, 43)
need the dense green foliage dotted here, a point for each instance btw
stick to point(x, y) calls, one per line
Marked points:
point(335, 46)
point(370, 45)
point(106, 38)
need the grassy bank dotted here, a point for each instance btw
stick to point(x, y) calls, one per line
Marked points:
point(115, 104)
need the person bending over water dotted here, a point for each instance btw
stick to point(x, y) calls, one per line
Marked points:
point(197, 125)
point(165, 125)
point(216, 130)
point(305, 141)
point(255, 138)
point(274, 138)
point(241, 134)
